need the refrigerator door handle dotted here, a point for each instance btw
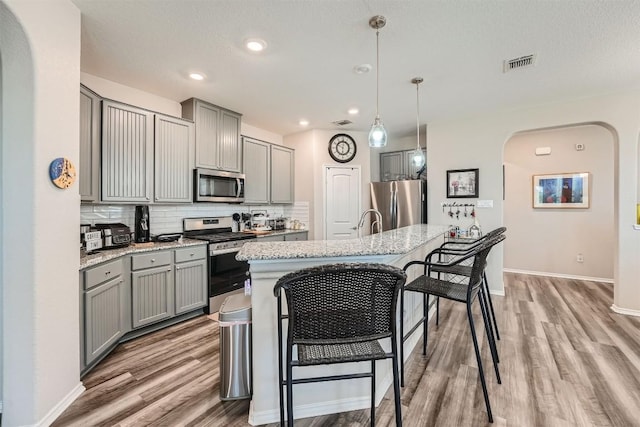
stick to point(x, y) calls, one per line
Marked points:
point(394, 205)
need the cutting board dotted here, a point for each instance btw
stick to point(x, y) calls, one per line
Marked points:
point(257, 232)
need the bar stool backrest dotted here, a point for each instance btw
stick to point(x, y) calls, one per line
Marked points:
point(341, 303)
point(480, 262)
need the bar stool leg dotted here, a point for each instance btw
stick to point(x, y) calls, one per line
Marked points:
point(490, 330)
point(373, 393)
point(479, 360)
point(492, 342)
point(402, 337)
point(493, 314)
point(289, 391)
point(426, 327)
point(396, 388)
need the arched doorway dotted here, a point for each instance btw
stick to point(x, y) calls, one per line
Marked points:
point(567, 235)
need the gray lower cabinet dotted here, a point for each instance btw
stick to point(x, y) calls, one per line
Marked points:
point(151, 288)
point(271, 238)
point(174, 159)
point(217, 135)
point(269, 172)
point(294, 237)
point(89, 163)
point(104, 303)
point(191, 278)
point(127, 153)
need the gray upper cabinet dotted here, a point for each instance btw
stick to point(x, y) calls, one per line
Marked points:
point(269, 171)
point(174, 159)
point(89, 164)
point(391, 166)
point(398, 165)
point(217, 135)
point(229, 147)
point(127, 153)
point(282, 171)
point(257, 170)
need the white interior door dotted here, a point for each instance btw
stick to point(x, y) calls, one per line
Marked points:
point(342, 204)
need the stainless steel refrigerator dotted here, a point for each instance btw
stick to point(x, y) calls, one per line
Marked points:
point(401, 203)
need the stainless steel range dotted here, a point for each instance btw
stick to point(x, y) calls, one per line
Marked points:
point(226, 274)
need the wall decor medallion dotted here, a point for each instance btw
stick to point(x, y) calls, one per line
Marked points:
point(62, 172)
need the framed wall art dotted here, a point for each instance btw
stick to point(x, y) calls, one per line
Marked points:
point(561, 190)
point(462, 183)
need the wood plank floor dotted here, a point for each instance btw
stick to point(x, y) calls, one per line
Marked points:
point(566, 360)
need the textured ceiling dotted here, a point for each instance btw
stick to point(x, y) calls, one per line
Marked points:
point(583, 48)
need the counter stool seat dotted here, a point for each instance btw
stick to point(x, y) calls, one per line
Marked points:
point(440, 288)
point(339, 353)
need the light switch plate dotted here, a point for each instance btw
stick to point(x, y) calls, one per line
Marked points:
point(485, 203)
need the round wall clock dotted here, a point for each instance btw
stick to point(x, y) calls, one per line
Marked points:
point(62, 172)
point(342, 148)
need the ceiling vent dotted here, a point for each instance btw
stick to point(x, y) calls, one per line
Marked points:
point(342, 122)
point(521, 62)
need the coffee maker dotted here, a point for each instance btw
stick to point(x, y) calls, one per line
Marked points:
point(143, 233)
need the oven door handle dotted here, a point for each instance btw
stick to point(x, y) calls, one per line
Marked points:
point(239, 186)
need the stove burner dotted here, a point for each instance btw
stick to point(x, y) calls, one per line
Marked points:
point(223, 237)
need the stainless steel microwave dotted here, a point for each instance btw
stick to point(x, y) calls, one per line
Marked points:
point(218, 186)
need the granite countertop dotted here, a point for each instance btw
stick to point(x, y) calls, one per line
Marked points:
point(285, 231)
point(390, 242)
point(88, 260)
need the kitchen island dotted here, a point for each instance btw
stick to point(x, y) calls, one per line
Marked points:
point(271, 260)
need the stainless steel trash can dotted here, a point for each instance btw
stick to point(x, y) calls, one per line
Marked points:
point(235, 348)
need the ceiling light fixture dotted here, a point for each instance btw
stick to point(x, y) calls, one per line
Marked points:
point(256, 45)
point(197, 76)
point(353, 111)
point(417, 157)
point(304, 122)
point(377, 134)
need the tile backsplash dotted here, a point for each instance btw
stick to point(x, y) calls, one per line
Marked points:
point(168, 218)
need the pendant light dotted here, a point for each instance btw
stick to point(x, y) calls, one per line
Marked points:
point(377, 134)
point(417, 157)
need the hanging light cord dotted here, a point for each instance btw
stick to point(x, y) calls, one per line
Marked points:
point(418, 115)
point(377, 73)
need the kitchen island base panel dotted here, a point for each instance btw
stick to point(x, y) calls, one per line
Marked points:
point(318, 398)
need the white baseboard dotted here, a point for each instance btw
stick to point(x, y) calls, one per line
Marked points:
point(625, 311)
point(61, 406)
point(311, 410)
point(559, 275)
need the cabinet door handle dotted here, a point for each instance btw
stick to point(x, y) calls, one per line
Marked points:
point(168, 269)
point(153, 260)
point(106, 273)
point(177, 268)
point(191, 254)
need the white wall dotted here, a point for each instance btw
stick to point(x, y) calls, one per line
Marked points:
point(311, 155)
point(40, 49)
point(479, 142)
point(563, 232)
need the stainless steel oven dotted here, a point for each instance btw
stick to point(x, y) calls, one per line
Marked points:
point(226, 274)
point(218, 186)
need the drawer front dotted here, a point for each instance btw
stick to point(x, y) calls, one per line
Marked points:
point(96, 275)
point(152, 259)
point(295, 236)
point(191, 253)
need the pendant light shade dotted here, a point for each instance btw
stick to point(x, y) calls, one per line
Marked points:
point(417, 156)
point(377, 134)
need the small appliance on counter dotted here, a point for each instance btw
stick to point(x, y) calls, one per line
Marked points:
point(276, 223)
point(143, 233)
point(167, 237)
point(115, 235)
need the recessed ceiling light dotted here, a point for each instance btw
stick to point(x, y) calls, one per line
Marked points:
point(353, 111)
point(362, 68)
point(255, 45)
point(304, 122)
point(197, 76)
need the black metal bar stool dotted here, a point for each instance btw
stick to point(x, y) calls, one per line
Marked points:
point(463, 270)
point(337, 313)
point(460, 292)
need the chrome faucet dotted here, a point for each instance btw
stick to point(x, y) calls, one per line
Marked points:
point(378, 220)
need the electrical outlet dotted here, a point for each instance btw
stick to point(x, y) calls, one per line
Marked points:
point(580, 258)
